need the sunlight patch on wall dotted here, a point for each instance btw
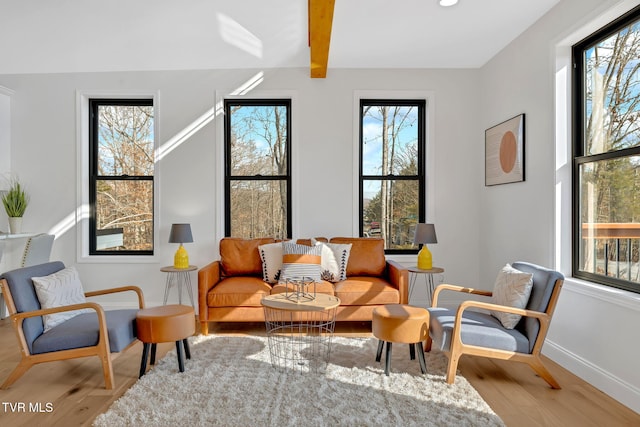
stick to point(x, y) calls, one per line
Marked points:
point(205, 118)
point(64, 225)
point(237, 35)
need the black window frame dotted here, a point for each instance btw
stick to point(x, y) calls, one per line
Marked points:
point(94, 104)
point(228, 178)
point(578, 147)
point(421, 162)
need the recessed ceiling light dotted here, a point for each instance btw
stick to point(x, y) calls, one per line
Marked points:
point(447, 3)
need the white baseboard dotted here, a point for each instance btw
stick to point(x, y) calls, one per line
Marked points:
point(617, 388)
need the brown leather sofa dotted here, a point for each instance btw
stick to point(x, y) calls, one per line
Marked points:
point(231, 289)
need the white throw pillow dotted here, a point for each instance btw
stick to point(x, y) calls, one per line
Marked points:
point(335, 257)
point(300, 262)
point(512, 288)
point(271, 256)
point(59, 289)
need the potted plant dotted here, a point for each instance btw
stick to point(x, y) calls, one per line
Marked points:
point(15, 202)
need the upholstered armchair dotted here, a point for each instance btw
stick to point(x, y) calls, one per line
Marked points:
point(472, 329)
point(48, 331)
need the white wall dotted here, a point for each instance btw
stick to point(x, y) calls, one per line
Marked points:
point(5, 132)
point(594, 331)
point(44, 154)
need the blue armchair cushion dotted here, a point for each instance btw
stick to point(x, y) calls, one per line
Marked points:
point(83, 331)
point(544, 281)
point(477, 329)
point(24, 295)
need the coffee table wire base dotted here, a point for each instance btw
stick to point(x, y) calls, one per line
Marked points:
point(300, 340)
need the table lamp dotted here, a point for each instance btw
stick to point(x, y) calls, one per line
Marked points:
point(425, 233)
point(181, 233)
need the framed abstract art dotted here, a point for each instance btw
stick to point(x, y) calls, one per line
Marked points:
point(504, 152)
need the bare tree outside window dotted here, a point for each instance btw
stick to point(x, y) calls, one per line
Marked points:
point(122, 170)
point(392, 171)
point(608, 156)
point(258, 177)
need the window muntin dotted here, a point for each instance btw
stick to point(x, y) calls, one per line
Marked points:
point(121, 176)
point(258, 168)
point(607, 155)
point(392, 183)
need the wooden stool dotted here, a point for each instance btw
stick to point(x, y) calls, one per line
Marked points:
point(401, 324)
point(166, 323)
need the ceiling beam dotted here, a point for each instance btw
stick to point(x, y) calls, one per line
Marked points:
point(320, 20)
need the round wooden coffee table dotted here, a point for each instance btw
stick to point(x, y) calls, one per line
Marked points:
point(299, 332)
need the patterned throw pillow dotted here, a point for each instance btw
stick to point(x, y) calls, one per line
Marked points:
point(58, 289)
point(300, 261)
point(335, 257)
point(271, 256)
point(512, 288)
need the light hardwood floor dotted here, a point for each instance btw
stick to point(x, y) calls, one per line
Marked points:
point(71, 393)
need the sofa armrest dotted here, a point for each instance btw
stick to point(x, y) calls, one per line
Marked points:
point(398, 277)
point(208, 277)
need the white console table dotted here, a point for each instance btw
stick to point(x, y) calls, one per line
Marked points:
point(10, 257)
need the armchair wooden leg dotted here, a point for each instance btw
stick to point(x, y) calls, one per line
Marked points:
point(19, 370)
point(542, 371)
point(107, 369)
point(452, 367)
point(204, 328)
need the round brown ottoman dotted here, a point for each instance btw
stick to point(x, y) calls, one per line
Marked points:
point(166, 323)
point(404, 324)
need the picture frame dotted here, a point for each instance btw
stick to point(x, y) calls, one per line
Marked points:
point(504, 152)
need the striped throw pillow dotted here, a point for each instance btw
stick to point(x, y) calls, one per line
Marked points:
point(300, 261)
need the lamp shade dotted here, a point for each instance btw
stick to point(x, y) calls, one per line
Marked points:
point(180, 233)
point(425, 233)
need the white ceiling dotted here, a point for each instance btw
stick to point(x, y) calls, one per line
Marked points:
point(42, 36)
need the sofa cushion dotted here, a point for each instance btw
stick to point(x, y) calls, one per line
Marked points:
point(238, 292)
point(321, 287)
point(335, 257)
point(271, 257)
point(300, 261)
point(309, 242)
point(240, 257)
point(366, 257)
point(366, 290)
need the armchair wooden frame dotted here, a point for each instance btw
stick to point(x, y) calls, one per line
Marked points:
point(458, 348)
point(101, 349)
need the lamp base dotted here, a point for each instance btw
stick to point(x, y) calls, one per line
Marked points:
point(425, 260)
point(181, 258)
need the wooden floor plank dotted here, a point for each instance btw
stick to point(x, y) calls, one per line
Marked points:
point(76, 390)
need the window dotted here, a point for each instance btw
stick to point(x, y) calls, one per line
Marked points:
point(606, 172)
point(258, 168)
point(121, 176)
point(392, 171)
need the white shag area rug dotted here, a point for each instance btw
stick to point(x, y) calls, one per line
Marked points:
point(229, 381)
